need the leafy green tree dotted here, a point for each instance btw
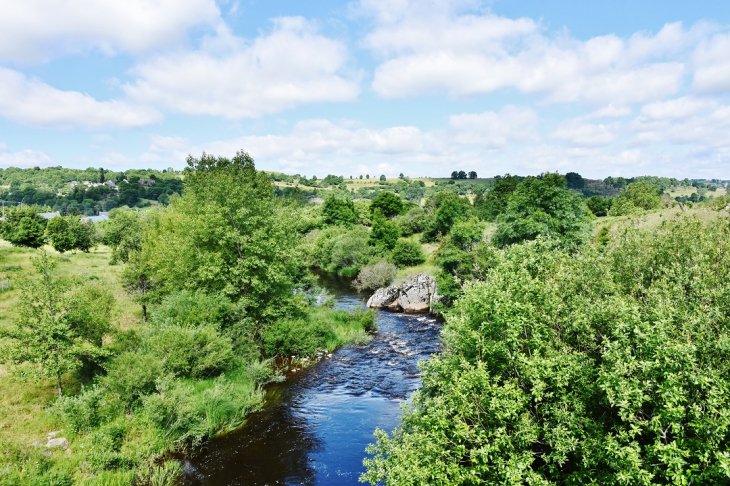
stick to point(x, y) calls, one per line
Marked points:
point(122, 233)
point(59, 323)
point(388, 204)
point(603, 367)
point(574, 180)
point(407, 254)
point(490, 205)
point(138, 280)
point(339, 211)
point(462, 174)
point(472, 175)
point(24, 227)
point(542, 207)
point(227, 234)
point(599, 205)
point(638, 196)
point(448, 213)
point(67, 233)
point(384, 233)
point(455, 174)
point(382, 178)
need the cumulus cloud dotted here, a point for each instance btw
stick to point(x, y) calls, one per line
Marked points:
point(712, 74)
point(427, 47)
point(579, 133)
point(33, 102)
point(38, 29)
point(23, 159)
point(233, 79)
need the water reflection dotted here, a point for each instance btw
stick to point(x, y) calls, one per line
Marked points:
point(316, 425)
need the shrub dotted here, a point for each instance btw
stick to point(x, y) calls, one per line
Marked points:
point(336, 211)
point(194, 309)
point(414, 221)
point(86, 410)
point(299, 337)
point(387, 203)
point(132, 375)
point(605, 365)
point(24, 227)
point(375, 276)
point(191, 352)
point(407, 254)
point(599, 205)
point(638, 196)
point(384, 233)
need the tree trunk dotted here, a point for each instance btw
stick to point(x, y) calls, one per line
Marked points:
point(144, 312)
point(58, 383)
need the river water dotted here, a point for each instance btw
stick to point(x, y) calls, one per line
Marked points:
point(316, 425)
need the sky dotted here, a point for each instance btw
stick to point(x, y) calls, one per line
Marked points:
point(420, 87)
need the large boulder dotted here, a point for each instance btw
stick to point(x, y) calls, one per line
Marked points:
point(416, 295)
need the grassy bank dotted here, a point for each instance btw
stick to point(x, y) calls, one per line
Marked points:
point(166, 385)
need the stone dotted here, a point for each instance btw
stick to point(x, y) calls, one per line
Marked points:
point(417, 295)
point(53, 434)
point(59, 442)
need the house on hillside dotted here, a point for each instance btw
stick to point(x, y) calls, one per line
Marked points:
point(147, 182)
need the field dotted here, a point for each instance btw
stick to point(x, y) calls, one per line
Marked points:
point(687, 191)
point(22, 404)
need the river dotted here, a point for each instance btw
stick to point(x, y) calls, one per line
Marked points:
point(315, 426)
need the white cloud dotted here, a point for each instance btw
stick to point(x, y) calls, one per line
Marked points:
point(712, 73)
point(39, 29)
point(436, 46)
point(234, 79)
point(492, 130)
point(702, 124)
point(24, 158)
point(33, 102)
point(578, 133)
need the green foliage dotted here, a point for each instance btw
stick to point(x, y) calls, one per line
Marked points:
point(542, 207)
point(226, 234)
point(637, 197)
point(336, 211)
point(384, 233)
point(599, 205)
point(389, 204)
point(490, 205)
point(375, 276)
point(60, 323)
point(122, 233)
point(24, 227)
point(67, 233)
point(448, 212)
point(192, 309)
point(609, 365)
point(466, 234)
point(133, 375)
point(414, 221)
point(336, 248)
point(322, 328)
point(190, 352)
point(407, 254)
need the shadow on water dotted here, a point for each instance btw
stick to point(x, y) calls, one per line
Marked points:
point(315, 425)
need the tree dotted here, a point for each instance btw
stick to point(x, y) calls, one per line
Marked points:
point(338, 211)
point(68, 233)
point(601, 367)
point(102, 178)
point(367, 176)
point(638, 196)
point(407, 254)
point(137, 278)
point(24, 227)
point(58, 324)
point(384, 233)
point(490, 205)
point(401, 176)
point(388, 204)
point(382, 178)
point(472, 175)
point(574, 180)
point(226, 234)
point(542, 207)
point(461, 175)
point(455, 174)
point(599, 205)
point(122, 233)
point(449, 212)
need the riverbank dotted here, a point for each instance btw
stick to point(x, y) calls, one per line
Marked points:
point(119, 425)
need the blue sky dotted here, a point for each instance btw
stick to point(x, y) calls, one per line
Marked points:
point(369, 86)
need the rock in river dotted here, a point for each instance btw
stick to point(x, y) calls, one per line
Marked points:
point(417, 295)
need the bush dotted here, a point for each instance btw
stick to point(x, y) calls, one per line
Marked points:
point(194, 309)
point(341, 212)
point(599, 205)
point(384, 233)
point(24, 227)
point(387, 203)
point(132, 375)
point(375, 276)
point(605, 365)
point(191, 352)
point(414, 221)
point(86, 410)
point(299, 337)
point(70, 233)
point(407, 254)
point(638, 196)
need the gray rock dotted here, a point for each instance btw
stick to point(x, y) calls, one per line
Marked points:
point(53, 434)
point(59, 442)
point(417, 295)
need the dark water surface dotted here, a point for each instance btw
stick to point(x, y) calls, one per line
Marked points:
point(316, 425)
